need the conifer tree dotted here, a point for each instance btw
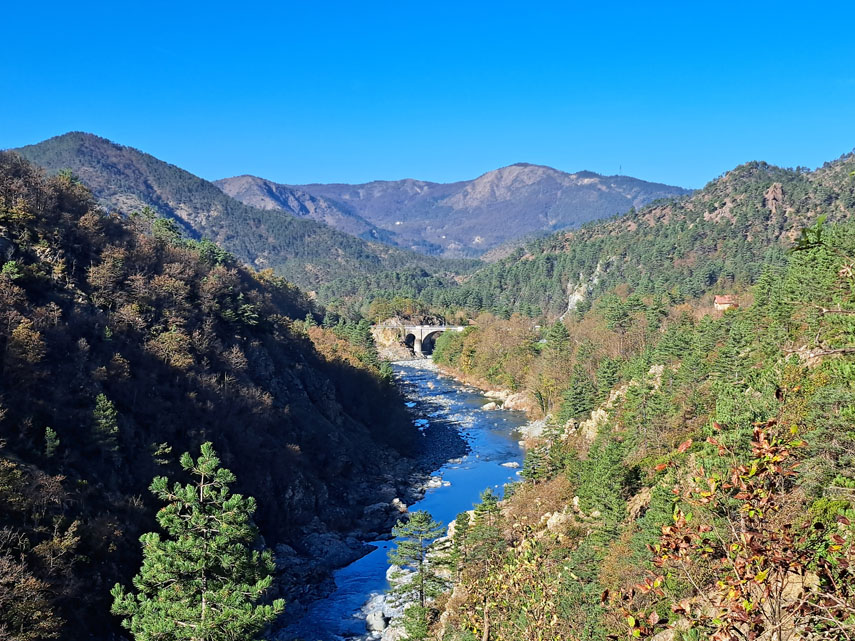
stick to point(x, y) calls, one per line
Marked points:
point(416, 580)
point(106, 420)
point(485, 536)
point(607, 377)
point(203, 582)
point(51, 442)
point(579, 397)
point(411, 553)
point(537, 465)
point(558, 340)
point(459, 548)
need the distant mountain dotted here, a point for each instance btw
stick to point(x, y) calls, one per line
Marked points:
point(307, 252)
point(466, 218)
point(719, 239)
point(264, 194)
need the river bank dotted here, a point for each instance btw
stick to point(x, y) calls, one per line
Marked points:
point(305, 573)
point(444, 410)
point(502, 397)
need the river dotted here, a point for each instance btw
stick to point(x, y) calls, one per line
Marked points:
point(492, 441)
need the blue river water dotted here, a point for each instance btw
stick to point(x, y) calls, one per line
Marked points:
point(492, 439)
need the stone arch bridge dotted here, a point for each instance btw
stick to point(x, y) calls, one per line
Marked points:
point(419, 338)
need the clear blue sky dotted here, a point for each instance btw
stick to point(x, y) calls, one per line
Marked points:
point(353, 91)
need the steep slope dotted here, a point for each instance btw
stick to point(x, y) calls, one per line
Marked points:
point(120, 349)
point(307, 252)
point(264, 194)
point(716, 239)
point(470, 217)
point(695, 472)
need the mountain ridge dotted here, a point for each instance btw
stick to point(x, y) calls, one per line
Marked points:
point(470, 217)
point(306, 251)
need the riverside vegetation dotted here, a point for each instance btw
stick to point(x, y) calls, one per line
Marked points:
point(693, 477)
point(695, 473)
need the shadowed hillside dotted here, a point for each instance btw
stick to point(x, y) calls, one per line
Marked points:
point(123, 345)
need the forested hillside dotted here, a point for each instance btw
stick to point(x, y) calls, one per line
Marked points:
point(123, 345)
point(716, 240)
point(305, 251)
point(693, 478)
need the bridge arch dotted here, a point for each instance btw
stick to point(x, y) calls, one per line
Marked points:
point(429, 341)
point(410, 341)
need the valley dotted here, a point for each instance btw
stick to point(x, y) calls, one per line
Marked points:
point(635, 375)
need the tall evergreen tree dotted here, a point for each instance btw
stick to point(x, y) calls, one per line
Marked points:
point(607, 377)
point(204, 582)
point(459, 548)
point(558, 340)
point(416, 580)
point(411, 554)
point(106, 420)
point(579, 397)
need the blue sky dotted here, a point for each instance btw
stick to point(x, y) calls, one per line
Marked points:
point(318, 91)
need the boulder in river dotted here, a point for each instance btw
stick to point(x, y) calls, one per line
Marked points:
point(375, 621)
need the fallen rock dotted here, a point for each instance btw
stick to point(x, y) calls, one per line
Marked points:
point(434, 481)
point(589, 428)
point(489, 406)
point(332, 551)
point(375, 510)
point(533, 429)
point(394, 633)
point(558, 522)
point(511, 464)
point(518, 401)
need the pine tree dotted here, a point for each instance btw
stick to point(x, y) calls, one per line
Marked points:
point(579, 397)
point(51, 442)
point(537, 465)
point(558, 340)
point(204, 581)
point(411, 554)
point(459, 548)
point(607, 377)
point(485, 536)
point(106, 420)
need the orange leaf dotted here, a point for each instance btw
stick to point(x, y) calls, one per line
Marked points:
point(685, 445)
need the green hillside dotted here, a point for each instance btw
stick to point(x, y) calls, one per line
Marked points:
point(693, 478)
point(717, 239)
point(306, 252)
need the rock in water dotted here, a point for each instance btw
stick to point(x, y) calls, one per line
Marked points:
point(375, 621)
